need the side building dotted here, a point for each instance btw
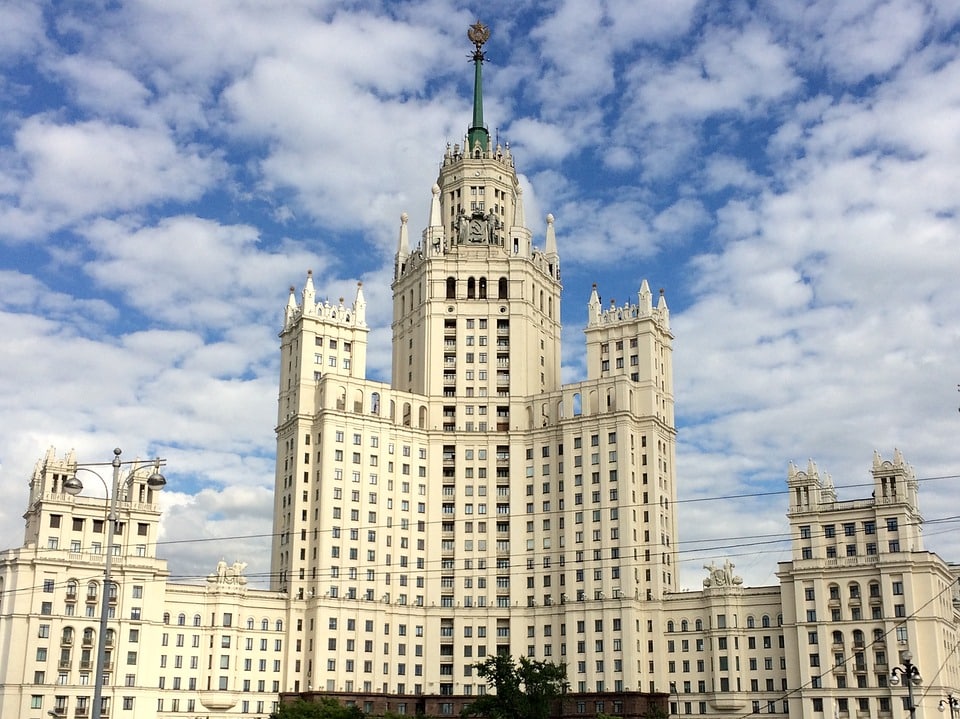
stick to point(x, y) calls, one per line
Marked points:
point(170, 648)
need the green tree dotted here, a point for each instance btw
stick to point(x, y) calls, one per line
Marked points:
point(322, 708)
point(524, 689)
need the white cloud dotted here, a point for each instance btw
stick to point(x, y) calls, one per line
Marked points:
point(22, 23)
point(70, 171)
point(190, 271)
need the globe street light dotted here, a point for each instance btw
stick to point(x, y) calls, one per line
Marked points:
point(74, 486)
point(909, 674)
point(950, 702)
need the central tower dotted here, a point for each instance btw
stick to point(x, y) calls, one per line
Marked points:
point(476, 276)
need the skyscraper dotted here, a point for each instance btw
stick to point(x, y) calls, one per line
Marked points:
point(475, 496)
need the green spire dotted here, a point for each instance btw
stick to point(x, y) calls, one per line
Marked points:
point(478, 33)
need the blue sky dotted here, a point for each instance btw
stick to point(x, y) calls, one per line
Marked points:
point(786, 171)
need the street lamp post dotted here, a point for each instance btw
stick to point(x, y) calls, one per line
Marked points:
point(74, 486)
point(952, 703)
point(909, 674)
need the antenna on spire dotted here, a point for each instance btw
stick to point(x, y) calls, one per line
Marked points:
point(478, 34)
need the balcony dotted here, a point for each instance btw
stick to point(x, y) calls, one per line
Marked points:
point(64, 664)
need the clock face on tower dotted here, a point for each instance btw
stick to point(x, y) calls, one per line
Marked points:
point(477, 231)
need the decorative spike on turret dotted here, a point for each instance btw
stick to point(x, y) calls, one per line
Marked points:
point(519, 214)
point(436, 219)
point(593, 306)
point(551, 242)
point(403, 244)
point(309, 293)
point(478, 34)
point(291, 308)
point(645, 298)
point(360, 304)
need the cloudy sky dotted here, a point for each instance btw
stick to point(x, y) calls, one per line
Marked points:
point(786, 171)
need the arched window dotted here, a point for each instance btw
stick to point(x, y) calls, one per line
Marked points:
point(698, 625)
point(750, 622)
point(265, 624)
point(109, 635)
point(451, 288)
point(181, 619)
point(670, 627)
point(765, 621)
point(249, 622)
point(502, 288)
point(88, 635)
point(471, 288)
point(838, 637)
point(72, 586)
point(483, 288)
point(93, 589)
point(67, 636)
point(684, 625)
point(858, 638)
point(166, 617)
point(279, 625)
point(196, 620)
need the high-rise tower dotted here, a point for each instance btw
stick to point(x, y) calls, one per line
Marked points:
point(475, 497)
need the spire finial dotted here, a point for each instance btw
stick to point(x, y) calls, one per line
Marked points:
point(478, 34)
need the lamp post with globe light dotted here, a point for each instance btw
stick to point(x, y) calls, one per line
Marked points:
point(951, 703)
point(909, 674)
point(74, 486)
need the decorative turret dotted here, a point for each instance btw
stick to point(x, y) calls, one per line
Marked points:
point(804, 487)
point(894, 481)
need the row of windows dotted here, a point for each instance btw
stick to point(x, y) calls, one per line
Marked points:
point(854, 590)
point(849, 529)
point(862, 704)
point(332, 344)
point(722, 623)
point(56, 520)
point(60, 704)
point(227, 621)
point(476, 288)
